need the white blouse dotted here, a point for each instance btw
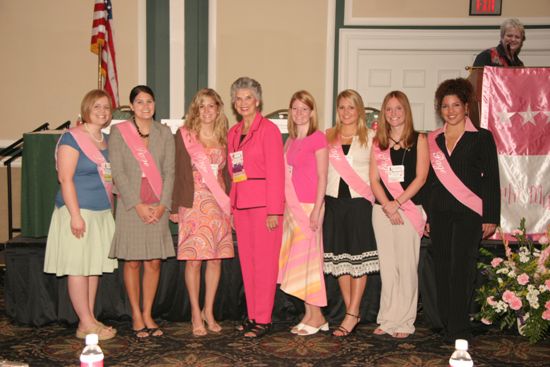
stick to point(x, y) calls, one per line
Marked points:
point(360, 158)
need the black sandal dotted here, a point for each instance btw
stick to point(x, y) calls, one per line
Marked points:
point(141, 333)
point(246, 325)
point(345, 332)
point(258, 330)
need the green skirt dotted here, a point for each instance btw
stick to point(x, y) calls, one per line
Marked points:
point(68, 255)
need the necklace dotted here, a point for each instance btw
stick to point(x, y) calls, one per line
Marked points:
point(100, 140)
point(144, 136)
point(395, 143)
point(346, 136)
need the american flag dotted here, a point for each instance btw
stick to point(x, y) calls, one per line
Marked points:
point(102, 35)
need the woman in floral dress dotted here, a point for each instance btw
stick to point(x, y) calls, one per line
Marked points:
point(200, 203)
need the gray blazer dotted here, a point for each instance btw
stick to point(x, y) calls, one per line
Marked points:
point(127, 173)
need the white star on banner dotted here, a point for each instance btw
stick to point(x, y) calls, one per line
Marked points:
point(504, 117)
point(547, 113)
point(528, 116)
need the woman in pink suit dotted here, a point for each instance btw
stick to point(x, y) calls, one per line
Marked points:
point(256, 165)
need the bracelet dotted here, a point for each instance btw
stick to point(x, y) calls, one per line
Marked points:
point(397, 201)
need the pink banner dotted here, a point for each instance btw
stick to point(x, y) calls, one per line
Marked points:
point(338, 160)
point(202, 164)
point(142, 155)
point(416, 217)
point(516, 109)
point(92, 152)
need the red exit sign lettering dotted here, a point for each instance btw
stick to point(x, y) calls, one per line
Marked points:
point(485, 7)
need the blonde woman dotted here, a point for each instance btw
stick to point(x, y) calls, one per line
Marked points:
point(349, 243)
point(200, 203)
point(301, 259)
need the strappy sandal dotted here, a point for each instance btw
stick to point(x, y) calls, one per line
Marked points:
point(155, 331)
point(103, 333)
point(141, 333)
point(258, 330)
point(246, 325)
point(213, 326)
point(345, 332)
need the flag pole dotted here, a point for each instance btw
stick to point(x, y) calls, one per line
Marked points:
point(99, 81)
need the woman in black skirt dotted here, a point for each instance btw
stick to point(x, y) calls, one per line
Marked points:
point(349, 243)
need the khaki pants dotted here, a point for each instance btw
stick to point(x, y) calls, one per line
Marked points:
point(398, 252)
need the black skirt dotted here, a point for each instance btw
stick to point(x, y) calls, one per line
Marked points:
point(348, 237)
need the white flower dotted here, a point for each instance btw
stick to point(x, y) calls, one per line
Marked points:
point(512, 274)
point(502, 271)
point(500, 281)
point(500, 306)
point(542, 288)
point(523, 258)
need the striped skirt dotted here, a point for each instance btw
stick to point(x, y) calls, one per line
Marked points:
point(301, 262)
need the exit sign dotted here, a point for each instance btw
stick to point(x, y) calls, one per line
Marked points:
point(485, 7)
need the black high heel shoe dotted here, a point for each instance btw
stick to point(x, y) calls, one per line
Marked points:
point(345, 332)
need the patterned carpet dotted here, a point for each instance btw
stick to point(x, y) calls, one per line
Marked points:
point(55, 345)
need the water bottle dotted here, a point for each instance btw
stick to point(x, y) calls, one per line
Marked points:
point(91, 356)
point(461, 357)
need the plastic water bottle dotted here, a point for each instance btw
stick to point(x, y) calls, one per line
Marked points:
point(91, 356)
point(461, 357)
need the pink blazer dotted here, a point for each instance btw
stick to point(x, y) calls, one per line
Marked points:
point(263, 164)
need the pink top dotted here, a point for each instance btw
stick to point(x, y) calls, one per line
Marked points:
point(300, 156)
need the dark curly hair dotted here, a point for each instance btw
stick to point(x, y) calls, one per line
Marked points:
point(459, 87)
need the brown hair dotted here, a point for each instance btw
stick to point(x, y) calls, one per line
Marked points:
point(88, 103)
point(355, 98)
point(408, 136)
point(306, 98)
point(193, 122)
point(459, 87)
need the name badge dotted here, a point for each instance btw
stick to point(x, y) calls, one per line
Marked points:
point(237, 166)
point(349, 158)
point(106, 172)
point(396, 173)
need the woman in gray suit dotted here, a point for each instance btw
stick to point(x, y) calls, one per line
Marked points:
point(142, 159)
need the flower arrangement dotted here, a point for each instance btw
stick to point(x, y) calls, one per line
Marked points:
point(517, 288)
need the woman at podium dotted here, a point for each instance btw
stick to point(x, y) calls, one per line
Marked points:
point(512, 35)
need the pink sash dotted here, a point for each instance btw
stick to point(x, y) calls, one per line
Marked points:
point(294, 206)
point(92, 152)
point(338, 160)
point(202, 163)
point(383, 162)
point(448, 178)
point(142, 155)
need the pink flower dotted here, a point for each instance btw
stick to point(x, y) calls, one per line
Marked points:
point(546, 315)
point(544, 256)
point(513, 300)
point(491, 301)
point(523, 279)
point(547, 305)
point(507, 296)
point(543, 240)
point(547, 284)
point(517, 232)
point(496, 262)
point(486, 321)
point(515, 304)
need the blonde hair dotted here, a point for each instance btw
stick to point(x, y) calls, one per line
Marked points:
point(408, 136)
point(362, 129)
point(193, 121)
point(306, 98)
point(88, 103)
